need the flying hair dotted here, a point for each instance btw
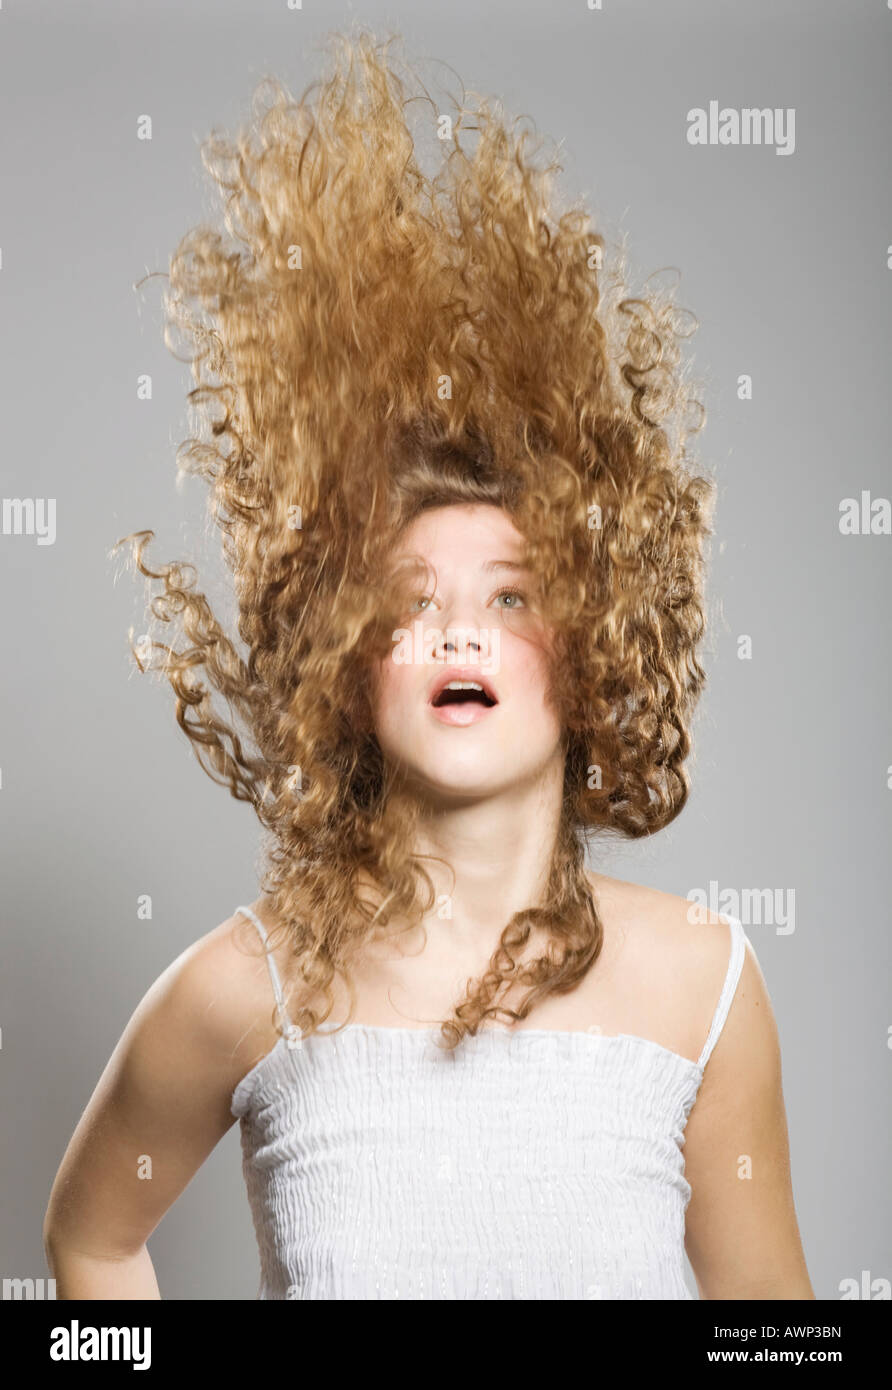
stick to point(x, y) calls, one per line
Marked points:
point(369, 340)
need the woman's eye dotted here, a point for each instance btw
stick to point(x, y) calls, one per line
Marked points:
point(514, 599)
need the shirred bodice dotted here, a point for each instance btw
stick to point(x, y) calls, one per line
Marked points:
point(531, 1163)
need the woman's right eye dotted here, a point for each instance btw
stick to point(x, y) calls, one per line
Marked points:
point(422, 598)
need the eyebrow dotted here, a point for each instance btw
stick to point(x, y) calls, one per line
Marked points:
point(488, 565)
point(504, 565)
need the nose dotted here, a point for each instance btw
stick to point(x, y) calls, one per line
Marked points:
point(461, 644)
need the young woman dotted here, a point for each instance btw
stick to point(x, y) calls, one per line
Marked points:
point(467, 553)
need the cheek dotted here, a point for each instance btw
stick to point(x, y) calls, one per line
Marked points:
point(532, 674)
point(390, 692)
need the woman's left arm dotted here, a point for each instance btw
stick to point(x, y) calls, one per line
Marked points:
point(741, 1235)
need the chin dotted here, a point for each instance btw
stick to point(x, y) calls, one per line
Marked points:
point(453, 780)
point(456, 794)
point(475, 781)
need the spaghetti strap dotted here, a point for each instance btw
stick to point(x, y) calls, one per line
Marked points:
point(289, 1030)
point(735, 965)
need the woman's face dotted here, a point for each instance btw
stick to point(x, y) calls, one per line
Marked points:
point(475, 624)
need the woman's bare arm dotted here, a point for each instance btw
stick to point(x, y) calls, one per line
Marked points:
point(158, 1110)
point(742, 1237)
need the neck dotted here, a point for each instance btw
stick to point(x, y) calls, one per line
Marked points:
point(497, 851)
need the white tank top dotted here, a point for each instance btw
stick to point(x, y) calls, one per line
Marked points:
point(527, 1165)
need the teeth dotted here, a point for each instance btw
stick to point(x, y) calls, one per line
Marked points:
point(464, 685)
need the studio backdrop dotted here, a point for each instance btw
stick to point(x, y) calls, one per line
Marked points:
point(741, 150)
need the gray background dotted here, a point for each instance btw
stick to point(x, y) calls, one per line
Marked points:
point(783, 259)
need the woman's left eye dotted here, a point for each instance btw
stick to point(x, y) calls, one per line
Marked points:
point(513, 594)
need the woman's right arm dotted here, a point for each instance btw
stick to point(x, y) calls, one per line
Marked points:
point(158, 1110)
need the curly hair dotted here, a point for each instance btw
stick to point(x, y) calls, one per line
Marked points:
point(372, 341)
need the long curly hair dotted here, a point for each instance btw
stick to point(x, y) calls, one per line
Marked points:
point(371, 341)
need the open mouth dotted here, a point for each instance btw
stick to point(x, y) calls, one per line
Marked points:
point(463, 693)
point(461, 697)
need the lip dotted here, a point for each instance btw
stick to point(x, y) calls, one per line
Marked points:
point(461, 715)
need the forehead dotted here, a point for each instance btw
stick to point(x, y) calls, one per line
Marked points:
point(469, 534)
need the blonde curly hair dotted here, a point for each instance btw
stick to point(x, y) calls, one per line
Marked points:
point(373, 341)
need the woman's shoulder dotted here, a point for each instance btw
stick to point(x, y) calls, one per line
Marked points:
point(668, 956)
point(664, 922)
point(222, 981)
